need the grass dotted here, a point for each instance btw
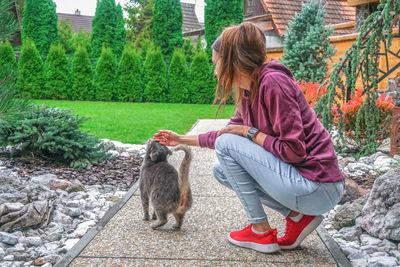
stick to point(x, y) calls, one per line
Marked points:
point(134, 123)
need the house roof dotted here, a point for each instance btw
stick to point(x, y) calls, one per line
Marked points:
point(77, 21)
point(190, 21)
point(283, 11)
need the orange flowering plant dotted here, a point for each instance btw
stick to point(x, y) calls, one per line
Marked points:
point(350, 112)
point(310, 90)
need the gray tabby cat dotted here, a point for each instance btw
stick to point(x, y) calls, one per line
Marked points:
point(161, 185)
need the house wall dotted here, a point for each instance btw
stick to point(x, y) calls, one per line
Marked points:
point(342, 44)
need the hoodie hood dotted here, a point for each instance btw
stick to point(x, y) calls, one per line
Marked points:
point(273, 66)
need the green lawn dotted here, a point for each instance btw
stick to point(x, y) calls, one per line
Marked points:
point(134, 123)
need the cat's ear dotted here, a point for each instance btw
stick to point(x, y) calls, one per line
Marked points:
point(153, 156)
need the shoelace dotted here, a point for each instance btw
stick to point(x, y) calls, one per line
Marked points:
point(289, 224)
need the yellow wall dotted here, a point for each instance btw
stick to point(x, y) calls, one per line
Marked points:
point(343, 43)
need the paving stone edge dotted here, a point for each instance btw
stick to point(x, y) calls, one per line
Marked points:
point(92, 232)
point(333, 247)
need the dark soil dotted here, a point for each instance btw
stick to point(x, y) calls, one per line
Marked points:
point(121, 172)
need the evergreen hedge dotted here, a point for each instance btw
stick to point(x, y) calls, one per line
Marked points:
point(65, 36)
point(178, 82)
point(82, 38)
point(30, 79)
point(82, 76)
point(307, 48)
point(57, 74)
point(105, 76)
point(40, 23)
point(8, 62)
point(167, 26)
point(108, 28)
point(130, 82)
point(155, 76)
point(201, 90)
point(219, 14)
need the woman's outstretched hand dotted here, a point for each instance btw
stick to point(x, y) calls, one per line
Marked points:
point(235, 129)
point(167, 138)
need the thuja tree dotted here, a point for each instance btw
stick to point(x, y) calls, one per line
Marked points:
point(201, 89)
point(155, 76)
point(40, 23)
point(65, 36)
point(130, 82)
point(167, 26)
point(82, 38)
point(81, 76)
point(219, 14)
point(105, 76)
point(30, 71)
point(363, 54)
point(108, 28)
point(178, 82)
point(307, 48)
point(140, 19)
point(7, 59)
point(188, 49)
point(56, 73)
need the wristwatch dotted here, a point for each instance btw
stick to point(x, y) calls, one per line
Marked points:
point(252, 132)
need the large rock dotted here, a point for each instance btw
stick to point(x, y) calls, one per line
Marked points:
point(347, 214)
point(381, 213)
point(351, 191)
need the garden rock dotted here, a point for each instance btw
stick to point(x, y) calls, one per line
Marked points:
point(346, 214)
point(381, 214)
point(384, 163)
point(351, 233)
point(357, 169)
point(351, 191)
point(8, 239)
point(382, 262)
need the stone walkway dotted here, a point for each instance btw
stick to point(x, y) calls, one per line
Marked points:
point(126, 240)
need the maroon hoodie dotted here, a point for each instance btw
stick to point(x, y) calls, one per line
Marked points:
point(294, 134)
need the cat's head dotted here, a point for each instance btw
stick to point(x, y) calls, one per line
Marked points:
point(157, 152)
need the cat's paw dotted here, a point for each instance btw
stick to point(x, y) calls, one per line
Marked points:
point(177, 227)
point(155, 225)
point(146, 218)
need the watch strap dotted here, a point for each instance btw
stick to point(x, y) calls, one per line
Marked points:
point(252, 132)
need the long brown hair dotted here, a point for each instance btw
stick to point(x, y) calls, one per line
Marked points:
point(240, 48)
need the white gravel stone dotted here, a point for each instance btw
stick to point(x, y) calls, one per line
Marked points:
point(70, 243)
point(9, 239)
point(382, 261)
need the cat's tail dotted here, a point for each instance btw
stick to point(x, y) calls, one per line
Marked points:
point(185, 199)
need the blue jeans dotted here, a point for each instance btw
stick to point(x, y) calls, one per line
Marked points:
point(258, 177)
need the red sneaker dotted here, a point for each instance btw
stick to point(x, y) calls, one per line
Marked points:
point(266, 243)
point(297, 231)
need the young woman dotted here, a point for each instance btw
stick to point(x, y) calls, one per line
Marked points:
point(274, 151)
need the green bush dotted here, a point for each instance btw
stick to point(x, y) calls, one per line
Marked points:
point(40, 23)
point(65, 36)
point(307, 48)
point(155, 76)
point(82, 38)
point(105, 76)
point(57, 74)
point(218, 15)
point(7, 61)
point(130, 81)
point(201, 89)
point(178, 82)
point(82, 76)
point(189, 49)
point(167, 26)
point(52, 133)
point(30, 71)
point(108, 28)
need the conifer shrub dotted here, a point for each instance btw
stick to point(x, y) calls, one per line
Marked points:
point(65, 36)
point(106, 76)
point(30, 81)
point(40, 23)
point(201, 89)
point(178, 82)
point(53, 134)
point(82, 38)
point(81, 76)
point(8, 62)
point(143, 46)
point(130, 81)
point(307, 48)
point(155, 71)
point(189, 49)
point(57, 74)
point(167, 26)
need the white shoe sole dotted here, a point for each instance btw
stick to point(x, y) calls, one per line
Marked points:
point(270, 248)
point(306, 231)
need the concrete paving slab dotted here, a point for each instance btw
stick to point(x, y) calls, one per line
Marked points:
point(126, 240)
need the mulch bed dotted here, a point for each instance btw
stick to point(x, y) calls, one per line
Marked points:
point(121, 172)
